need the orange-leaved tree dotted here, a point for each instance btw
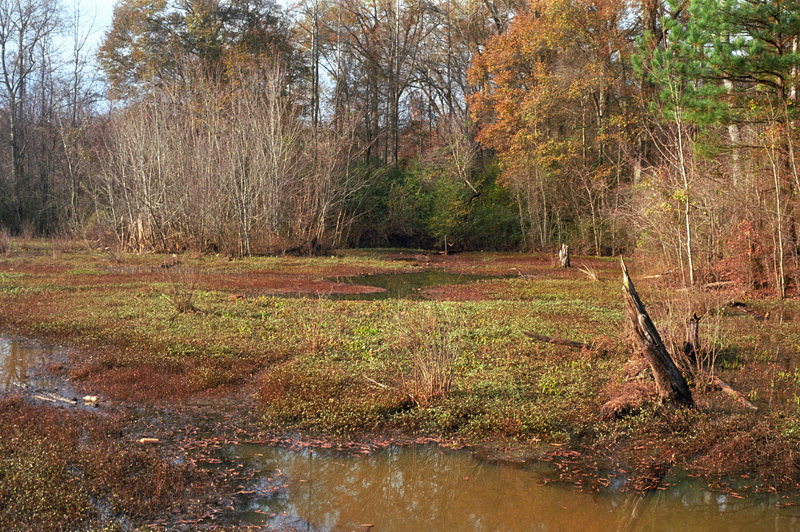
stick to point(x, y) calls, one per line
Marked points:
point(553, 101)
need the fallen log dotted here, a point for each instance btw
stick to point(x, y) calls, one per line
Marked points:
point(670, 382)
point(557, 341)
point(52, 398)
point(738, 396)
point(693, 352)
point(718, 284)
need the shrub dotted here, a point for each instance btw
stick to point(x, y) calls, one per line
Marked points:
point(431, 351)
point(181, 287)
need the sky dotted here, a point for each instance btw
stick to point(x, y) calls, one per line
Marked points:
point(102, 11)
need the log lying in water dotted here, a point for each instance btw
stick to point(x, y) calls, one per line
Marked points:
point(722, 385)
point(693, 352)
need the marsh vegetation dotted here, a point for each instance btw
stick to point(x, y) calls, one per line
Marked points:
point(450, 364)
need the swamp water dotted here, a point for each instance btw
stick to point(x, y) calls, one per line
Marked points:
point(406, 285)
point(22, 363)
point(428, 488)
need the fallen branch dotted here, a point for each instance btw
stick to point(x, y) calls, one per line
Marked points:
point(557, 341)
point(373, 381)
point(55, 399)
point(718, 284)
point(738, 396)
point(526, 277)
point(692, 351)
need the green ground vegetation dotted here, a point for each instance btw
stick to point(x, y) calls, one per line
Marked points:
point(452, 363)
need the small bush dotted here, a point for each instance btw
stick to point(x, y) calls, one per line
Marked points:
point(431, 351)
point(181, 287)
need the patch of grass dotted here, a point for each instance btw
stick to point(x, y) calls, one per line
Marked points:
point(323, 399)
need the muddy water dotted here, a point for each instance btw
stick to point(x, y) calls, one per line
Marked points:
point(428, 488)
point(22, 363)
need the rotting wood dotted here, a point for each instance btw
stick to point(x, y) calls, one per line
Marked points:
point(718, 284)
point(670, 382)
point(692, 346)
point(557, 341)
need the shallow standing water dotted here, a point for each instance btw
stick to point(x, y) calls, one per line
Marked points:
point(403, 489)
point(406, 285)
point(22, 363)
point(431, 489)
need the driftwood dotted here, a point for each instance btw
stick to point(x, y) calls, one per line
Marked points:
point(53, 398)
point(557, 341)
point(670, 382)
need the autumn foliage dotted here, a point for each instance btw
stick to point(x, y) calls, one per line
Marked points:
point(555, 104)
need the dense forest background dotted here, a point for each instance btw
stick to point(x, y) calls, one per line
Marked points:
point(236, 126)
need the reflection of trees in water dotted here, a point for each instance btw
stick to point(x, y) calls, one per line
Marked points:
point(688, 507)
point(430, 489)
point(14, 363)
point(16, 359)
point(427, 488)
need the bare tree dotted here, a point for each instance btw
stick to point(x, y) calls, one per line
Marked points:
point(25, 25)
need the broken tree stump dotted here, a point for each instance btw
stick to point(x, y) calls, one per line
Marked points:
point(694, 354)
point(670, 382)
point(563, 256)
point(692, 346)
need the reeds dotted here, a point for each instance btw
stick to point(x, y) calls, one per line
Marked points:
point(431, 355)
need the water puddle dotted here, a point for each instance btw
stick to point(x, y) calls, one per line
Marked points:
point(23, 364)
point(405, 285)
point(434, 489)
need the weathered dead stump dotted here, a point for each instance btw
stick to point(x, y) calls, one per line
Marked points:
point(670, 382)
point(692, 346)
point(563, 256)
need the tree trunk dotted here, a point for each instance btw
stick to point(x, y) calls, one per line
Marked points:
point(670, 383)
